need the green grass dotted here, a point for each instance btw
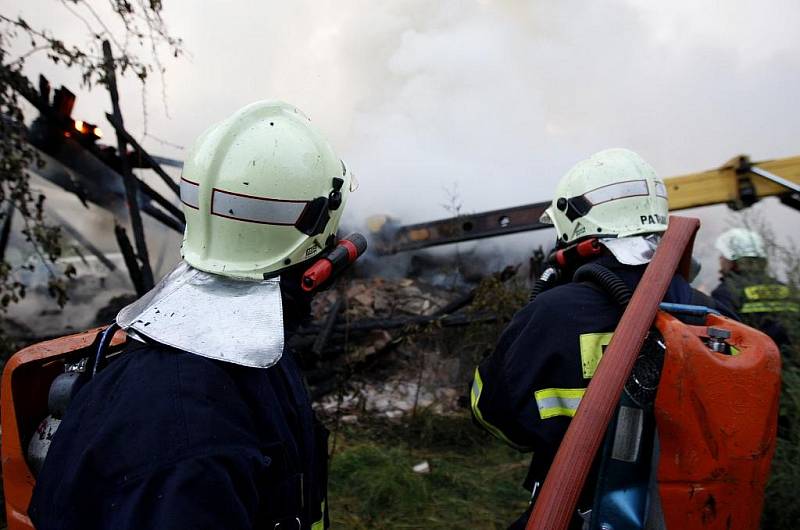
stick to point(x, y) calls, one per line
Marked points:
point(474, 481)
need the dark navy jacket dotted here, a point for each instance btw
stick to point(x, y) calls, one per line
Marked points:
point(763, 303)
point(163, 439)
point(528, 389)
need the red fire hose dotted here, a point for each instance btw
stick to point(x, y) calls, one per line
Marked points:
point(556, 503)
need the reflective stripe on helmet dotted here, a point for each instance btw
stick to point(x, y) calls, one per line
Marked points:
point(661, 190)
point(190, 193)
point(554, 402)
point(618, 190)
point(252, 209)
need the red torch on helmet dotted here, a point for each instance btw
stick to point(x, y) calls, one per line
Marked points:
point(344, 254)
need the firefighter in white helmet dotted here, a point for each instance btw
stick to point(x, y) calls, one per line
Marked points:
point(747, 287)
point(609, 212)
point(204, 421)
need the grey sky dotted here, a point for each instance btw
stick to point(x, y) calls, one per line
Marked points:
point(500, 97)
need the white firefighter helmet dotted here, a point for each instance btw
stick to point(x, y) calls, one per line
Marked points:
point(262, 191)
point(738, 243)
point(615, 193)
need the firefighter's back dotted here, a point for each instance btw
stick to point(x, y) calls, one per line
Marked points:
point(161, 432)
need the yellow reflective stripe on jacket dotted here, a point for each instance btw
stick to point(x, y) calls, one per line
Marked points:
point(558, 401)
point(779, 306)
point(592, 347)
point(320, 525)
point(767, 292)
point(475, 396)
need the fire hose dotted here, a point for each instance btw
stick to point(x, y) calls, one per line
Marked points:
point(556, 503)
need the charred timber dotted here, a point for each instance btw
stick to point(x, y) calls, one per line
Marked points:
point(144, 155)
point(372, 324)
point(327, 328)
point(163, 218)
point(467, 298)
point(130, 259)
point(131, 184)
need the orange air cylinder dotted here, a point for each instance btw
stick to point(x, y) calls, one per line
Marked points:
point(26, 381)
point(716, 418)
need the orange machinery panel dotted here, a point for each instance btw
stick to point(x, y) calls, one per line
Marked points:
point(717, 419)
point(23, 402)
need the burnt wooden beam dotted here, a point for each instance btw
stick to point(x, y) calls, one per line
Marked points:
point(82, 240)
point(154, 165)
point(131, 183)
point(372, 324)
point(130, 259)
point(163, 218)
point(327, 327)
point(5, 230)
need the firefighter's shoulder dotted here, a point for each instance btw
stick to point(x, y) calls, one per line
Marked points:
point(166, 403)
point(573, 298)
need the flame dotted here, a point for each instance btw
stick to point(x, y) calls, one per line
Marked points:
point(87, 128)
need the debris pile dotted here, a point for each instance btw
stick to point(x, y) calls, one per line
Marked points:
point(385, 298)
point(390, 347)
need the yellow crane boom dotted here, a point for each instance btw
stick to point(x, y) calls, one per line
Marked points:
point(734, 183)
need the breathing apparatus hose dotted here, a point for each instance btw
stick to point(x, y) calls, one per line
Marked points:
point(106, 337)
point(563, 259)
point(549, 276)
point(613, 285)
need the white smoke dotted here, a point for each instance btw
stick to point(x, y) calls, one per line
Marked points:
point(501, 97)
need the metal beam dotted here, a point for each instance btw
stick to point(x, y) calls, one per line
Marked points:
point(463, 228)
point(772, 177)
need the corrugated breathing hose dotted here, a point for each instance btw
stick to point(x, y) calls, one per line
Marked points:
point(548, 277)
point(606, 279)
